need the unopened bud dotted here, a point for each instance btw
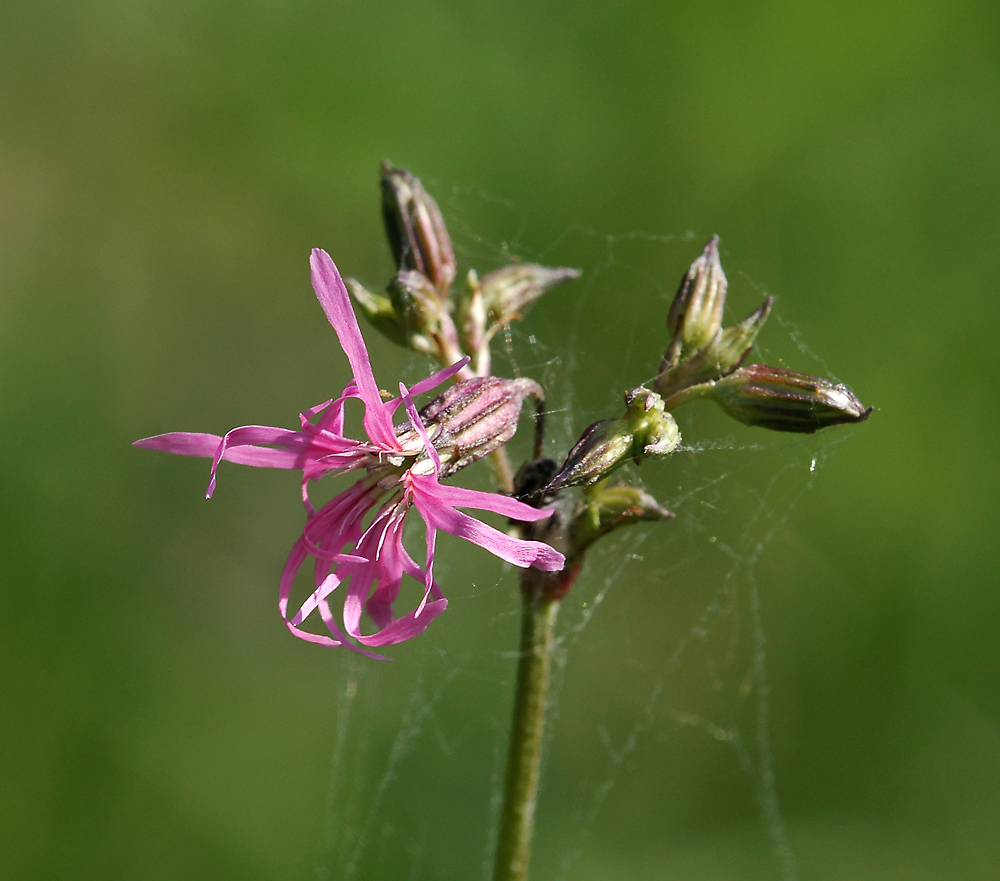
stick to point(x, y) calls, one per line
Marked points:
point(381, 311)
point(577, 522)
point(507, 291)
point(731, 347)
point(719, 358)
point(696, 313)
point(607, 508)
point(416, 230)
point(646, 429)
point(476, 417)
point(786, 401)
point(414, 299)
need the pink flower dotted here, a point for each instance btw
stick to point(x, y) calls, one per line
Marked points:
point(366, 560)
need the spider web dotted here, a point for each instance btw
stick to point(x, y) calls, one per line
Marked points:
point(419, 752)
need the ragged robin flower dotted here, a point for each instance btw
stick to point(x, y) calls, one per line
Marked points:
point(365, 558)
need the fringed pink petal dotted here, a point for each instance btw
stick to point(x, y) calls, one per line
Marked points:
point(520, 552)
point(183, 443)
point(190, 443)
point(380, 545)
point(459, 497)
point(433, 381)
point(336, 303)
point(328, 619)
point(251, 435)
point(404, 628)
point(411, 411)
point(332, 419)
point(292, 565)
point(431, 539)
point(338, 524)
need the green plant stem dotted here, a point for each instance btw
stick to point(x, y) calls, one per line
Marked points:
point(503, 472)
point(517, 821)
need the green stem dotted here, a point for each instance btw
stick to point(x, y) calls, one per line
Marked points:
point(517, 822)
point(503, 472)
point(688, 394)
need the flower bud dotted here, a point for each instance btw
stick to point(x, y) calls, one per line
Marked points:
point(416, 230)
point(577, 523)
point(731, 347)
point(382, 313)
point(785, 401)
point(476, 417)
point(507, 291)
point(696, 313)
point(719, 358)
point(607, 508)
point(646, 429)
point(414, 299)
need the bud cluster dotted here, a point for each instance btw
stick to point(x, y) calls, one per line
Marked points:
point(703, 360)
point(416, 230)
point(479, 415)
point(700, 348)
point(645, 429)
point(419, 308)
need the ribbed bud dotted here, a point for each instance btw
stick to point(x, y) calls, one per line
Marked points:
point(507, 291)
point(476, 417)
point(414, 299)
point(719, 358)
point(696, 313)
point(646, 429)
point(416, 230)
point(731, 347)
point(384, 316)
point(786, 401)
point(609, 507)
point(576, 524)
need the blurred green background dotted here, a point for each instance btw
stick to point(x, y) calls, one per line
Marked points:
point(165, 169)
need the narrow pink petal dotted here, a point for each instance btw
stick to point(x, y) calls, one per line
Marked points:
point(460, 497)
point(295, 560)
point(328, 619)
point(419, 573)
point(354, 603)
point(382, 544)
point(333, 419)
point(332, 295)
point(435, 379)
point(425, 385)
point(307, 415)
point(248, 435)
point(411, 411)
point(262, 457)
point(296, 557)
point(393, 562)
point(189, 443)
point(404, 628)
point(429, 566)
point(316, 638)
point(520, 552)
point(183, 443)
point(328, 586)
point(338, 522)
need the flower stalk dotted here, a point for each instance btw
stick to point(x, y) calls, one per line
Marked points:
point(354, 543)
point(517, 820)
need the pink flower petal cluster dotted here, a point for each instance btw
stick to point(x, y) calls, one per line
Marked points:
point(356, 539)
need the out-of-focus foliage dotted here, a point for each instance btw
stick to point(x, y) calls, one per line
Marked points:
point(165, 169)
